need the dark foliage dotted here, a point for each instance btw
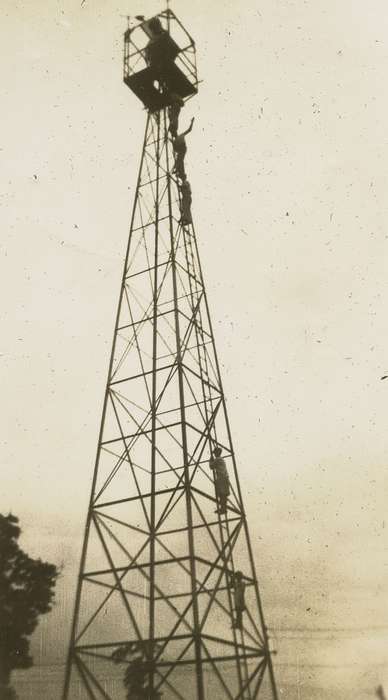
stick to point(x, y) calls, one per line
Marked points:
point(138, 668)
point(135, 681)
point(26, 592)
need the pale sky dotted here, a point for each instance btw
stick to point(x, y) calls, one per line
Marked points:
point(288, 162)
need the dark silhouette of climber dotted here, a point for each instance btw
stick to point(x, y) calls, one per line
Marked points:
point(180, 149)
point(185, 203)
point(173, 114)
point(217, 464)
point(239, 598)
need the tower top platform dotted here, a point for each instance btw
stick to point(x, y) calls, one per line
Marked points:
point(160, 61)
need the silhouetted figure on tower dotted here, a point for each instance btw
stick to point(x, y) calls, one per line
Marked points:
point(137, 671)
point(160, 52)
point(136, 681)
point(217, 464)
point(154, 53)
point(239, 598)
point(173, 113)
point(180, 149)
point(185, 203)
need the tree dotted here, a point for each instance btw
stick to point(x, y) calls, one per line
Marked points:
point(26, 592)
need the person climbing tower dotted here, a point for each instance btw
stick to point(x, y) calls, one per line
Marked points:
point(217, 464)
point(239, 598)
point(135, 679)
point(185, 203)
point(173, 113)
point(180, 148)
point(137, 670)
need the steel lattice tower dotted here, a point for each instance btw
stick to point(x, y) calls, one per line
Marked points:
point(155, 593)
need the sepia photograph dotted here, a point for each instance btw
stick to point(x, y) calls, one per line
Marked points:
point(194, 371)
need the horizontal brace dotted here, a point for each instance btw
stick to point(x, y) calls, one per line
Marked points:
point(136, 498)
point(114, 587)
point(213, 659)
point(109, 645)
point(151, 223)
point(146, 318)
point(195, 527)
point(189, 405)
point(231, 643)
point(135, 567)
point(190, 593)
point(137, 376)
point(259, 654)
point(193, 347)
point(164, 562)
point(147, 269)
point(183, 466)
point(141, 432)
point(161, 471)
point(162, 176)
point(162, 313)
point(161, 533)
point(260, 651)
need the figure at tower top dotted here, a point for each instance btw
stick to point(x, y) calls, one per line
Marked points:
point(161, 50)
point(159, 61)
